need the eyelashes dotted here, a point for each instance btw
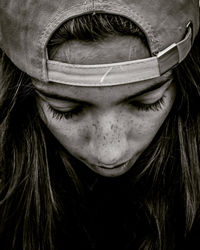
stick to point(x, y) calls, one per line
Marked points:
point(157, 106)
point(66, 114)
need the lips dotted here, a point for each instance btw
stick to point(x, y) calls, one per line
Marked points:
point(111, 166)
point(110, 170)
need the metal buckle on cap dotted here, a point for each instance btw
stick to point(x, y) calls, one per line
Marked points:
point(168, 58)
point(176, 53)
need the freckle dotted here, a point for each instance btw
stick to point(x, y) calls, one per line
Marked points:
point(94, 125)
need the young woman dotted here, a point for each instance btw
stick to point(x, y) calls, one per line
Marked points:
point(87, 165)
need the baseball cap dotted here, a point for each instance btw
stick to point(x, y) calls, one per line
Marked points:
point(170, 27)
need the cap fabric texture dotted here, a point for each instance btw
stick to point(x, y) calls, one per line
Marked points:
point(27, 26)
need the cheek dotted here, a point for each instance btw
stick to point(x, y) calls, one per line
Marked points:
point(147, 124)
point(72, 135)
point(145, 128)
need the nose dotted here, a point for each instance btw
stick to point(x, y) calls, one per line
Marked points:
point(109, 143)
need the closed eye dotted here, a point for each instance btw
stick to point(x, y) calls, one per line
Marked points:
point(151, 101)
point(156, 106)
point(57, 114)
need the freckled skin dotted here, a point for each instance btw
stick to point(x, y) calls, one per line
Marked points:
point(109, 133)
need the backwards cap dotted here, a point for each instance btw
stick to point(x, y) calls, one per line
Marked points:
point(170, 27)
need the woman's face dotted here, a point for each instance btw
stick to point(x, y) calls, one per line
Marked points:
point(106, 128)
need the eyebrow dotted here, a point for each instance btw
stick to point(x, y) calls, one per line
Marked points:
point(126, 99)
point(147, 90)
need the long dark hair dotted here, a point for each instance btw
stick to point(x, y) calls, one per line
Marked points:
point(164, 184)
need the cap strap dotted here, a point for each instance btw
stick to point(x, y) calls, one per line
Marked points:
point(120, 73)
point(174, 54)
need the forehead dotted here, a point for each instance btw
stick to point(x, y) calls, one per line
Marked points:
point(112, 49)
point(94, 94)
